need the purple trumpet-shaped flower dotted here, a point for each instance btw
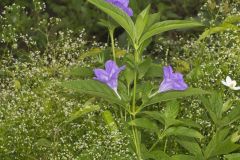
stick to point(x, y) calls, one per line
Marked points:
point(109, 76)
point(123, 5)
point(172, 81)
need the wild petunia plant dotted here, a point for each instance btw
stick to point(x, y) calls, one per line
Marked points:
point(134, 85)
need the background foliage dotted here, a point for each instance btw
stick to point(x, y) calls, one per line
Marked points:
point(43, 43)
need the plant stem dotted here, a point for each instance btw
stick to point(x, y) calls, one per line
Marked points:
point(154, 145)
point(165, 145)
point(134, 128)
point(111, 32)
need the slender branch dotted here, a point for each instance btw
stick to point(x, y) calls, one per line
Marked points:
point(165, 145)
point(111, 32)
point(154, 145)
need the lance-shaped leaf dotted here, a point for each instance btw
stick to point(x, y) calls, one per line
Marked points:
point(117, 14)
point(109, 121)
point(156, 155)
point(221, 28)
point(94, 88)
point(160, 117)
point(144, 123)
point(83, 111)
point(182, 157)
point(142, 20)
point(168, 25)
point(220, 144)
point(191, 145)
point(233, 156)
point(171, 95)
point(227, 24)
point(183, 131)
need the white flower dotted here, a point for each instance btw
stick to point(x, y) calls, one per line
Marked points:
point(230, 83)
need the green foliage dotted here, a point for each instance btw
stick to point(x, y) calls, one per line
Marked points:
point(146, 25)
point(94, 88)
point(47, 112)
point(87, 108)
point(228, 24)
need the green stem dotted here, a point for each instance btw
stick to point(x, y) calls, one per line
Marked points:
point(134, 128)
point(111, 32)
point(154, 145)
point(165, 145)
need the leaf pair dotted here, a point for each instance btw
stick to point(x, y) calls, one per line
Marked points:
point(172, 126)
point(226, 25)
point(217, 110)
point(222, 143)
point(146, 25)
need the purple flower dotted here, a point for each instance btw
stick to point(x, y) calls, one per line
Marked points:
point(109, 76)
point(123, 5)
point(172, 81)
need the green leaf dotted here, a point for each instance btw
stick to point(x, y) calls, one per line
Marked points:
point(143, 67)
point(232, 19)
point(155, 115)
point(227, 105)
point(168, 25)
point(109, 120)
point(233, 156)
point(209, 109)
point(182, 157)
point(87, 108)
point(17, 84)
point(141, 21)
point(80, 72)
point(191, 145)
point(188, 123)
point(117, 14)
point(94, 88)
point(156, 155)
point(145, 123)
point(143, 91)
point(231, 117)
point(171, 95)
point(129, 75)
point(111, 25)
point(144, 45)
point(154, 71)
point(183, 131)
point(221, 28)
point(152, 18)
point(172, 109)
point(220, 144)
point(169, 122)
point(43, 142)
point(91, 53)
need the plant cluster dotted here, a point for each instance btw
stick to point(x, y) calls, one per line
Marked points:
point(65, 97)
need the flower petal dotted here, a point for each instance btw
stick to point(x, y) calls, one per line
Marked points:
point(101, 75)
point(111, 67)
point(228, 80)
point(122, 4)
point(224, 83)
point(167, 71)
point(233, 83)
point(113, 83)
point(125, 3)
point(236, 88)
point(165, 86)
point(172, 81)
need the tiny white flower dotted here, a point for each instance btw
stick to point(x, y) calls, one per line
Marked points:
point(230, 83)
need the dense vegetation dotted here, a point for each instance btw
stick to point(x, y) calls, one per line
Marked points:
point(91, 80)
